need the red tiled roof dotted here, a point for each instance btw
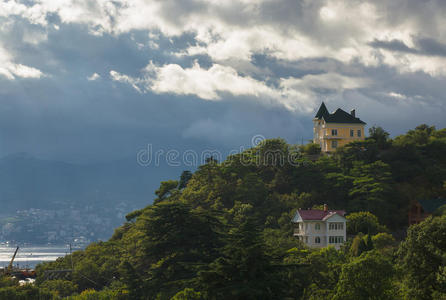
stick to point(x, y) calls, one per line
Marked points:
point(317, 214)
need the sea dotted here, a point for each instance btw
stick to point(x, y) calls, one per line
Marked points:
point(29, 256)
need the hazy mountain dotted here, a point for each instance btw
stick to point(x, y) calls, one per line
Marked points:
point(39, 196)
point(26, 181)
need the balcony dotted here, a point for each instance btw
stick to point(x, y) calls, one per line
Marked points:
point(298, 231)
point(333, 137)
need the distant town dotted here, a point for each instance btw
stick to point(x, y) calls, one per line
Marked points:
point(64, 225)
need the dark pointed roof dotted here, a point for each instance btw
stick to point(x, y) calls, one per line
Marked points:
point(322, 112)
point(339, 116)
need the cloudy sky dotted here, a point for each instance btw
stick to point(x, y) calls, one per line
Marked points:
point(95, 80)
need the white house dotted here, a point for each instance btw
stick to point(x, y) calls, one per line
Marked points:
point(320, 228)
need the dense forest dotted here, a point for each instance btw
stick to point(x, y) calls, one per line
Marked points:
point(225, 231)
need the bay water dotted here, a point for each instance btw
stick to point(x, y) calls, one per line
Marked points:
point(30, 256)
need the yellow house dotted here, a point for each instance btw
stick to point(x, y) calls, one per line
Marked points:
point(336, 129)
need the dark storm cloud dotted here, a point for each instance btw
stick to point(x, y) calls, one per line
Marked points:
point(274, 62)
point(393, 45)
point(431, 46)
point(67, 117)
point(425, 46)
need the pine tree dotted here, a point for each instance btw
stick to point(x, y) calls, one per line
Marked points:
point(244, 271)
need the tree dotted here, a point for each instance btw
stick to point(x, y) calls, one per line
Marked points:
point(61, 288)
point(422, 259)
point(366, 277)
point(244, 270)
point(176, 242)
point(130, 277)
point(364, 222)
point(360, 244)
point(383, 240)
point(323, 272)
point(187, 294)
point(165, 190)
point(131, 216)
point(184, 179)
point(380, 136)
point(419, 136)
point(372, 190)
point(310, 149)
point(357, 151)
point(25, 292)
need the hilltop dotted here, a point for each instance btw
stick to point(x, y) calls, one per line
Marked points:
point(225, 231)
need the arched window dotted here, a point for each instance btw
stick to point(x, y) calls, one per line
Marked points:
point(317, 226)
point(317, 240)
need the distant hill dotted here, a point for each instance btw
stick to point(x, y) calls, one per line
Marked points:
point(26, 181)
point(44, 201)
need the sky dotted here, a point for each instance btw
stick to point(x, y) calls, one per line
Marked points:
point(85, 81)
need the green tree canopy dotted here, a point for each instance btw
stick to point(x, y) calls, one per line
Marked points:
point(422, 257)
point(363, 222)
point(366, 277)
point(244, 270)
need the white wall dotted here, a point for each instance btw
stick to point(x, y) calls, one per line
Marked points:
point(310, 231)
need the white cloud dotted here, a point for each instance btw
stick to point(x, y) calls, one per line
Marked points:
point(297, 94)
point(93, 77)
point(232, 32)
point(235, 30)
point(116, 76)
point(11, 70)
point(410, 63)
point(206, 84)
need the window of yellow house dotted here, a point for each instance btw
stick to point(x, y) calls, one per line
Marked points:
point(352, 132)
point(334, 132)
point(359, 132)
point(334, 144)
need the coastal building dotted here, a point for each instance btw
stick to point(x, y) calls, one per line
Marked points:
point(319, 228)
point(333, 130)
point(421, 209)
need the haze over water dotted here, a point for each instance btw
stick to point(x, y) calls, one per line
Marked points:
point(30, 256)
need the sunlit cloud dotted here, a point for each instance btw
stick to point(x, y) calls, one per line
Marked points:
point(93, 77)
point(11, 70)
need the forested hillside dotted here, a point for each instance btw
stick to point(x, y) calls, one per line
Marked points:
point(225, 232)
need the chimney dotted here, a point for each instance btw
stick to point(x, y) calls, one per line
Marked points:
point(325, 207)
point(353, 112)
